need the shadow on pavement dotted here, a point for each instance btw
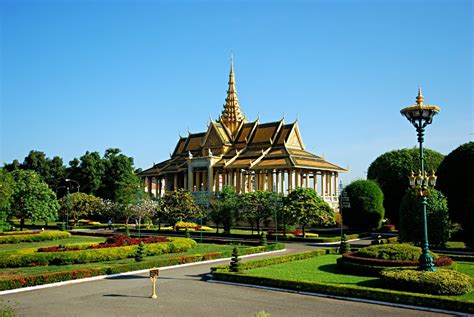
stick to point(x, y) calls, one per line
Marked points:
point(122, 295)
point(126, 277)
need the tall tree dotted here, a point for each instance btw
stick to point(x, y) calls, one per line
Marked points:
point(308, 208)
point(180, 205)
point(6, 191)
point(455, 174)
point(32, 198)
point(77, 205)
point(224, 208)
point(391, 170)
point(257, 207)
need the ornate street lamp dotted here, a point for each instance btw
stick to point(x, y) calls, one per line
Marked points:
point(420, 115)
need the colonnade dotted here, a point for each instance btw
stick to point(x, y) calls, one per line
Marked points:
point(325, 183)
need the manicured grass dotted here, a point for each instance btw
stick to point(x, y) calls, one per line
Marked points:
point(201, 248)
point(323, 269)
point(49, 243)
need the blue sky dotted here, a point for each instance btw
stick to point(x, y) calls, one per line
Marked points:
point(89, 75)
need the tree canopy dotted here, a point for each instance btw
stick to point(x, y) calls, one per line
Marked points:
point(32, 198)
point(6, 191)
point(77, 205)
point(439, 225)
point(455, 174)
point(257, 207)
point(224, 207)
point(179, 205)
point(366, 205)
point(391, 170)
point(307, 208)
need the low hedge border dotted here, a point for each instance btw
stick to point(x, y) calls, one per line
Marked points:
point(223, 273)
point(33, 280)
point(38, 237)
point(94, 255)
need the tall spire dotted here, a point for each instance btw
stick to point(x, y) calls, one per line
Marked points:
point(232, 116)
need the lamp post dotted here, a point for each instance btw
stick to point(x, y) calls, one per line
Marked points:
point(420, 115)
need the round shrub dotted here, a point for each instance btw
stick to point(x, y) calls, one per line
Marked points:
point(391, 169)
point(439, 225)
point(456, 188)
point(366, 205)
point(441, 282)
point(399, 252)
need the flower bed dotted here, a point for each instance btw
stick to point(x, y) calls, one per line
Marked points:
point(118, 240)
point(95, 255)
point(37, 236)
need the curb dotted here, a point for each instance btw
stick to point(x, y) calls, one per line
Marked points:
point(102, 277)
point(351, 299)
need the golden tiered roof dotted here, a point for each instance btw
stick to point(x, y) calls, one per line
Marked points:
point(234, 143)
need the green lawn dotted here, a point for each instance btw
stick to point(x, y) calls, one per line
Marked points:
point(30, 245)
point(323, 269)
point(201, 248)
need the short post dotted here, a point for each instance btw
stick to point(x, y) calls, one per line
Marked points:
point(154, 273)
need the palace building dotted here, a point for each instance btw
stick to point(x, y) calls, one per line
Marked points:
point(248, 156)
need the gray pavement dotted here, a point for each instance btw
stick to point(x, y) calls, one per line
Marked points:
point(184, 291)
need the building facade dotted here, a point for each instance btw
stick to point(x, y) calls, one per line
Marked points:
point(248, 156)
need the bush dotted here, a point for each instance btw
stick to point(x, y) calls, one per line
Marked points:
point(439, 225)
point(366, 205)
point(184, 225)
point(391, 169)
point(398, 252)
point(458, 189)
point(34, 237)
point(441, 282)
point(94, 255)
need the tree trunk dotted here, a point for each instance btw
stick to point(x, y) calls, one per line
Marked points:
point(251, 225)
point(258, 227)
point(22, 223)
point(304, 234)
point(217, 227)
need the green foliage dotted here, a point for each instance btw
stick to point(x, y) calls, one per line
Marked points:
point(140, 252)
point(366, 205)
point(77, 205)
point(32, 198)
point(411, 224)
point(441, 282)
point(403, 252)
point(223, 208)
point(94, 255)
point(455, 174)
point(7, 309)
point(345, 246)
point(468, 224)
point(42, 236)
point(88, 170)
point(186, 233)
point(307, 208)
point(179, 205)
point(235, 261)
point(257, 207)
point(391, 170)
point(263, 239)
point(6, 191)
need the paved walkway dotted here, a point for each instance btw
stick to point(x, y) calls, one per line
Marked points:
point(184, 292)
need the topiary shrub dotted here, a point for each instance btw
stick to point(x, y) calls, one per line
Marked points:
point(235, 261)
point(263, 239)
point(366, 205)
point(345, 246)
point(140, 252)
point(391, 169)
point(439, 225)
point(441, 282)
point(399, 252)
point(457, 189)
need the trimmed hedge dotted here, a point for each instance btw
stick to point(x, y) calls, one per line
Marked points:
point(29, 237)
point(441, 282)
point(222, 273)
point(32, 280)
point(399, 252)
point(94, 255)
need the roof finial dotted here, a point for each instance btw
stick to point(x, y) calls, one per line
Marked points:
point(232, 116)
point(419, 98)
